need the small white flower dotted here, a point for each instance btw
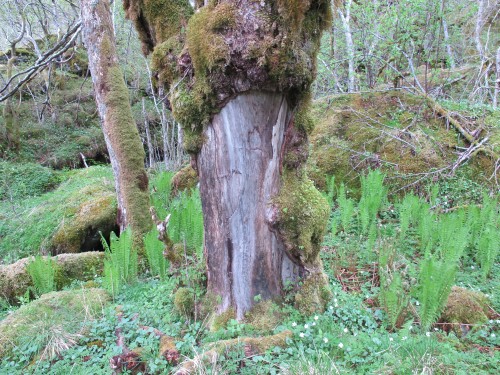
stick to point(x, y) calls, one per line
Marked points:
point(336, 305)
point(428, 334)
point(346, 330)
point(417, 303)
point(471, 267)
point(306, 326)
point(325, 340)
point(316, 317)
point(435, 329)
point(335, 300)
point(493, 335)
point(294, 324)
point(492, 321)
point(331, 307)
point(498, 321)
point(341, 345)
point(391, 339)
point(313, 323)
point(404, 338)
point(301, 334)
point(410, 328)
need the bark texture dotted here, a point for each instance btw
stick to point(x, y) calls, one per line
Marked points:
point(239, 166)
point(238, 77)
point(120, 132)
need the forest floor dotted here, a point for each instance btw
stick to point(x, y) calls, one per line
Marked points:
point(412, 266)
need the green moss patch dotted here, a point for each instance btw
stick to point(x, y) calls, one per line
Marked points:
point(264, 316)
point(465, 307)
point(304, 213)
point(53, 322)
point(184, 180)
point(184, 301)
point(313, 294)
point(394, 131)
point(206, 46)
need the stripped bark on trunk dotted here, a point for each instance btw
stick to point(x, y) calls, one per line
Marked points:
point(238, 78)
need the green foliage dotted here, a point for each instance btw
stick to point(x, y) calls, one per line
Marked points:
point(26, 180)
point(409, 212)
point(120, 262)
point(346, 207)
point(394, 299)
point(393, 296)
point(161, 186)
point(186, 217)
point(435, 281)
point(42, 272)
point(186, 221)
point(373, 195)
point(158, 265)
point(485, 227)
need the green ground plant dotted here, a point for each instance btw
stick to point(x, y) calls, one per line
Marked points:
point(186, 221)
point(154, 248)
point(120, 262)
point(42, 272)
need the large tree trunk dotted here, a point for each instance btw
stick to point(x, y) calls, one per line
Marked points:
point(239, 78)
point(239, 175)
point(120, 131)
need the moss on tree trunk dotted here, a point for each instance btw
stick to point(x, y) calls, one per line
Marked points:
point(120, 132)
point(238, 75)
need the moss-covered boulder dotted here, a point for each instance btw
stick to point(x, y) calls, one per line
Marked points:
point(399, 133)
point(252, 346)
point(184, 301)
point(265, 316)
point(81, 231)
point(185, 179)
point(53, 322)
point(465, 307)
point(66, 219)
point(15, 280)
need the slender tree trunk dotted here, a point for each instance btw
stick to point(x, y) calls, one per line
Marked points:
point(148, 134)
point(346, 22)
point(9, 112)
point(448, 45)
point(497, 85)
point(477, 31)
point(120, 131)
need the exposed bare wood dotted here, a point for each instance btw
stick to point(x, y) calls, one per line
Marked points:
point(239, 174)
